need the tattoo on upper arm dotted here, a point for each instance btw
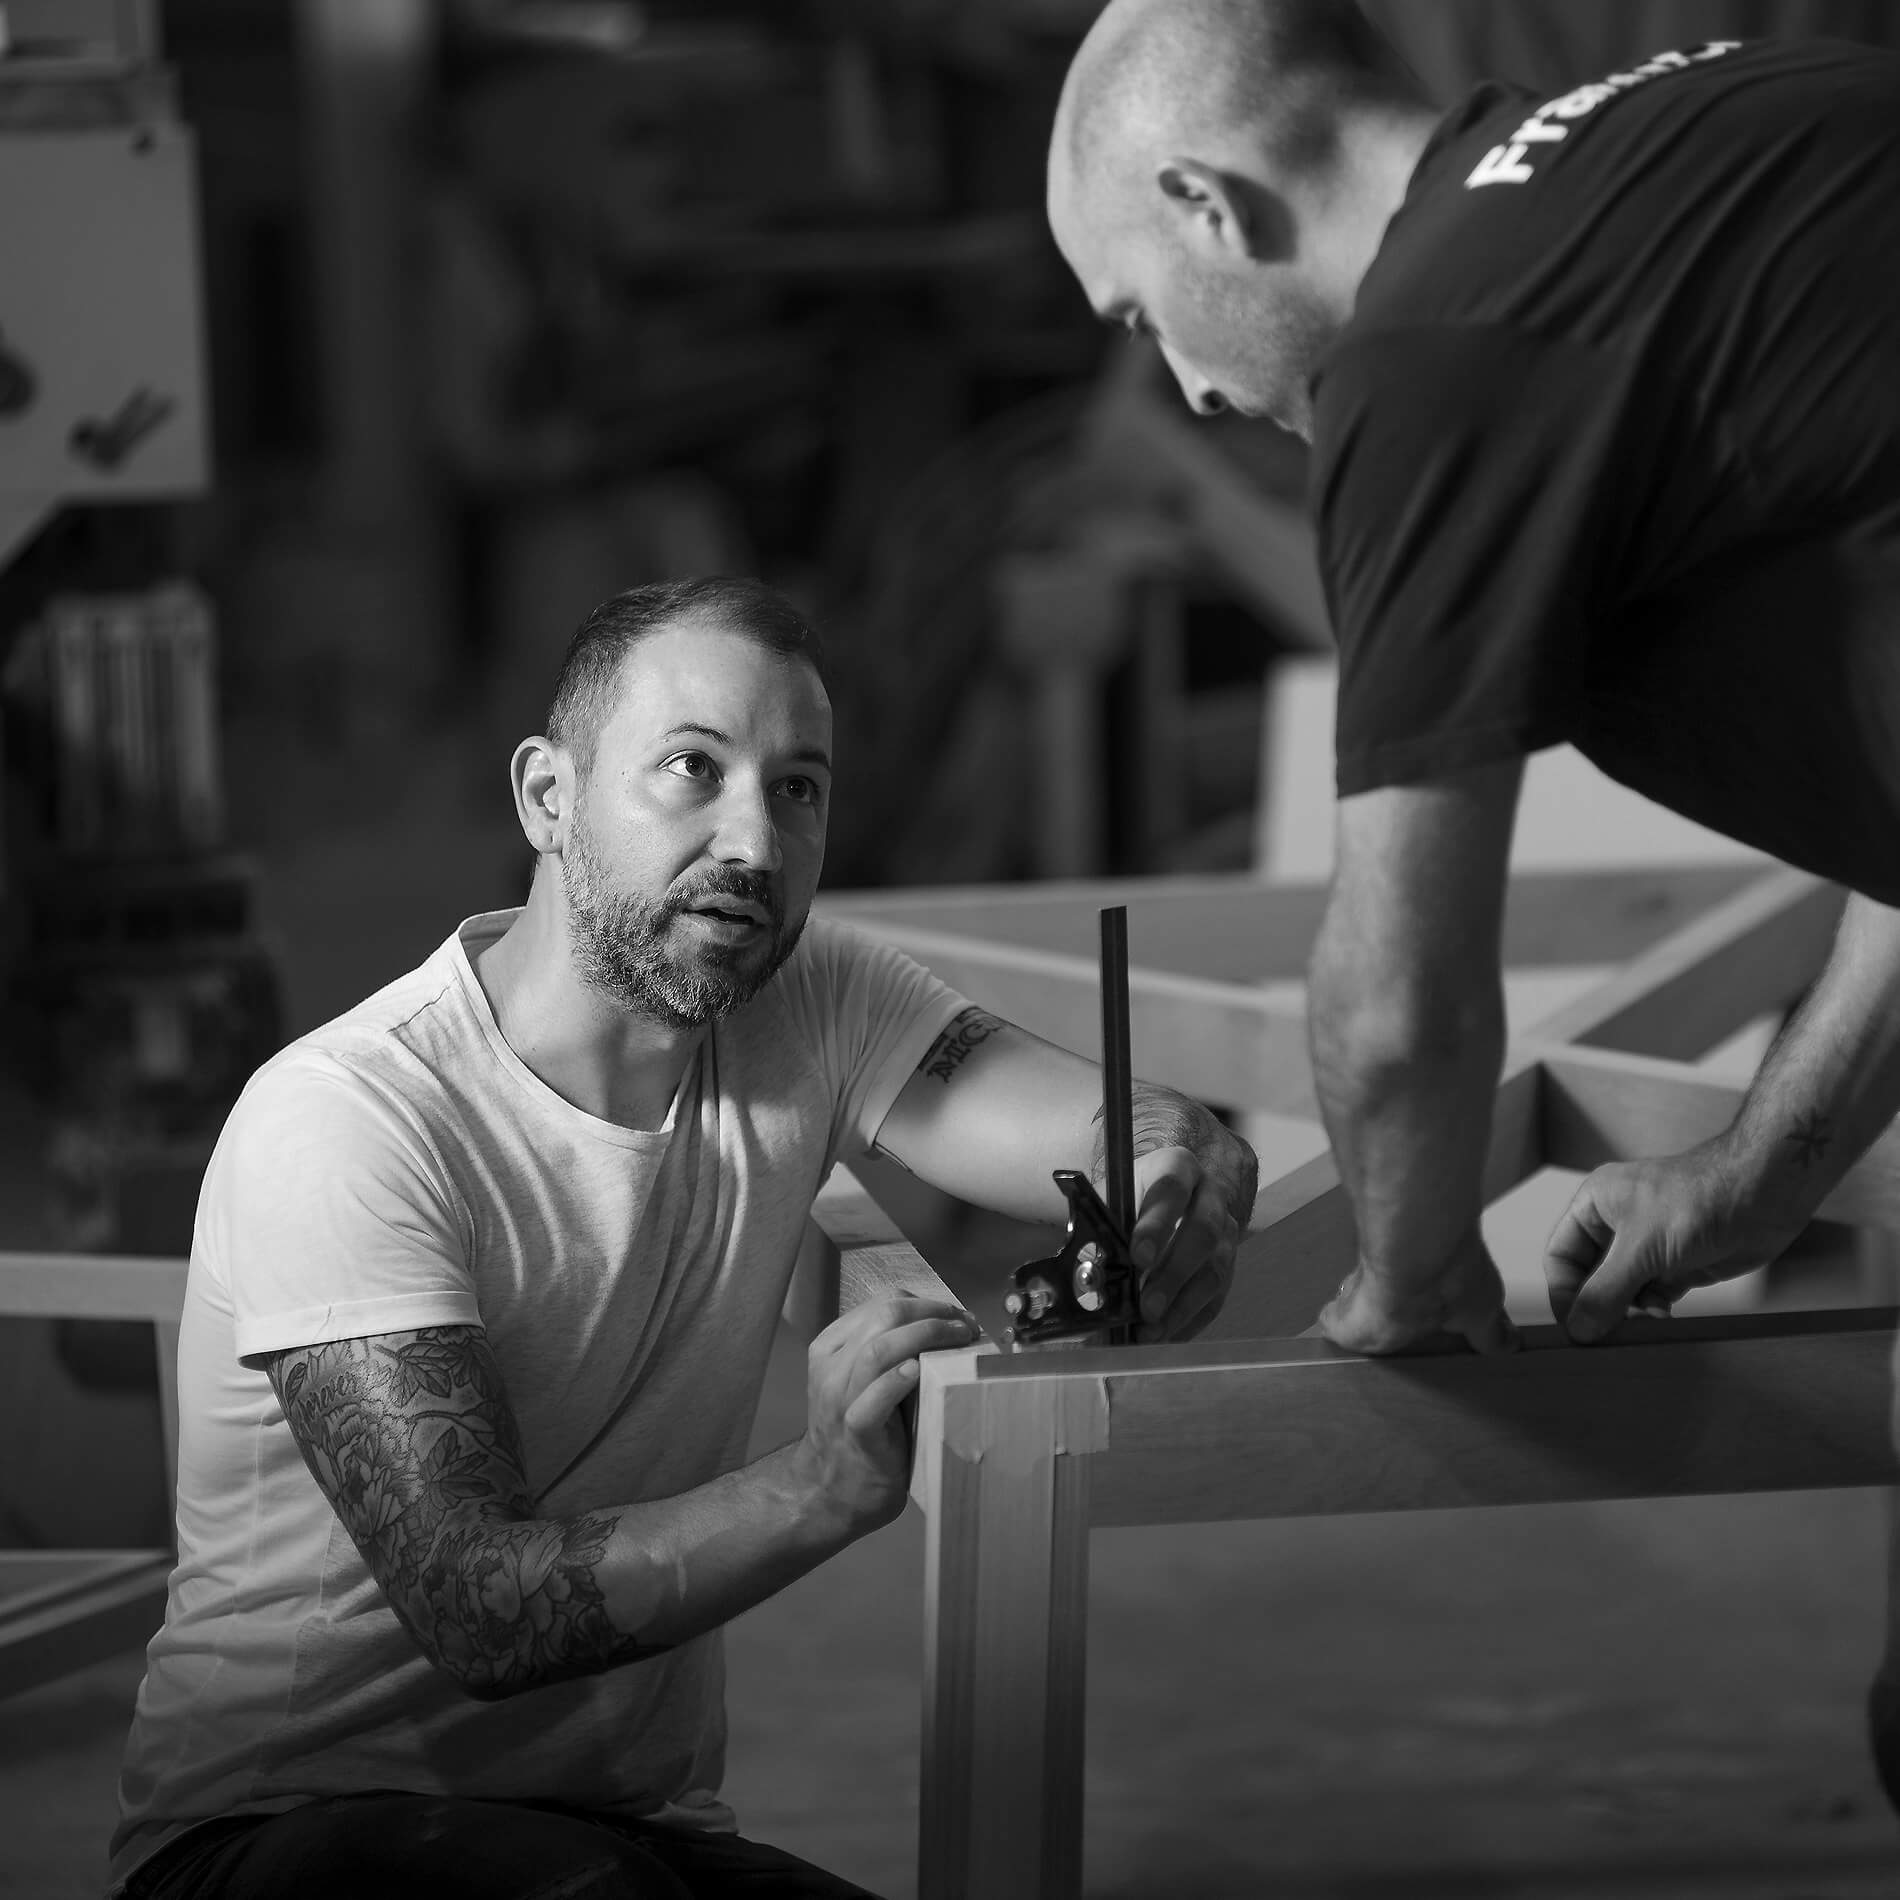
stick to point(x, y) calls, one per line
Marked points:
point(1811, 1139)
point(411, 1438)
point(951, 1050)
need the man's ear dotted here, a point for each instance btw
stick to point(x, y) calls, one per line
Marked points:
point(542, 774)
point(1220, 209)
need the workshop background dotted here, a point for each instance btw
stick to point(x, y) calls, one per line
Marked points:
point(349, 351)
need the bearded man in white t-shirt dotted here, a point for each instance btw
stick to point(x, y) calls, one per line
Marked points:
point(482, 1290)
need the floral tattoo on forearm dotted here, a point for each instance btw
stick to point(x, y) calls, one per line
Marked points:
point(411, 1438)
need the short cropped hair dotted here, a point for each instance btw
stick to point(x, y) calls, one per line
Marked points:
point(584, 693)
point(1283, 67)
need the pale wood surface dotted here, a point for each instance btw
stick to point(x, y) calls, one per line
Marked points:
point(1755, 952)
point(1005, 1645)
point(1754, 1402)
point(1240, 929)
point(1292, 1427)
point(91, 1286)
point(95, 1603)
point(875, 1259)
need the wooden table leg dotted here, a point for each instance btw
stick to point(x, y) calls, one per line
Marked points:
point(1005, 1637)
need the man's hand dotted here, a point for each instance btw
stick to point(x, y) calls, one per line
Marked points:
point(1370, 1314)
point(1637, 1235)
point(1184, 1240)
point(859, 1372)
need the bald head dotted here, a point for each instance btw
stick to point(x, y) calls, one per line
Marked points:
point(1220, 175)
point(1271, 75)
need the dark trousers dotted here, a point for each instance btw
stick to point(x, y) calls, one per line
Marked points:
point(415, 1847)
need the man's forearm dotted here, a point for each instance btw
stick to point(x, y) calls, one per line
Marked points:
point(1405, 1085)
point(1164, 1118)
point(519, 1603)
point(411, 1439)
point(1831, 1082)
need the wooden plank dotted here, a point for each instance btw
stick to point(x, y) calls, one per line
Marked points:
point(91, 1286)
point(1754, 953)
point(1755, 1402)
point(851, 1214)
point(875, 1259)
point(1606, 1105)
point(1005, 1636)
point(1240, 929)
point(30, 1578)
point(118, 1607)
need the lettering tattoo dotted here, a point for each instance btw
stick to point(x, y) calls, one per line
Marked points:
point(1811, 1139)
point(952, 1049)
point(411, 1438)
point(1161, 1118)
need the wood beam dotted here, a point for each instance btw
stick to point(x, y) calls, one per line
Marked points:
point(1754, 953)
point(1240, 929)
point(1005, 1637)
point(91, 1286)
point(1755, 1402)
point(1606, 1105)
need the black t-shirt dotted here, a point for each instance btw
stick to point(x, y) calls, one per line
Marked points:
point(1610, 452)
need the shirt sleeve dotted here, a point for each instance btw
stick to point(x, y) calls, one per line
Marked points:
point(870, 1013)
point(1462, 486)
point(329, 1216)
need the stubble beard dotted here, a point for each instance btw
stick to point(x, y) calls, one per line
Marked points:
point(634, 954)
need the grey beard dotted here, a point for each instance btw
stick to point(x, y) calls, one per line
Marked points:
point(621, 948)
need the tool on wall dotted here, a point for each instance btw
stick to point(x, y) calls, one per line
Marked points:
point(1088, 1292)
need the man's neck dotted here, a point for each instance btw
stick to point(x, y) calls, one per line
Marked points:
point(1343, 223)
point(611, 1064)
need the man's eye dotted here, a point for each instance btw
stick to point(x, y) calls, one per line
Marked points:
point(803, 789)
point(689, 765)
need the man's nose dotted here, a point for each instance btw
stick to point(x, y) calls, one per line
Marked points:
point(1202, 397)
point(748, 830)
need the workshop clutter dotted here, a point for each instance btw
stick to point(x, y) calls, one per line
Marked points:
point(120, 694)
point(138, 996)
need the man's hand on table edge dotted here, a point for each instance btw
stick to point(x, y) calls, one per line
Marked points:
point(860, 1371)
point(1373, 1314)
point(1638, 1235)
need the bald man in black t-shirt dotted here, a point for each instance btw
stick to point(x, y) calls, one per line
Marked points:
point(1604, 397)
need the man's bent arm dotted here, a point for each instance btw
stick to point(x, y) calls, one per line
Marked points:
point(1643, 1233)
point(993, 1110)
point(1406, 1017)
point(1830, 1083)
point(411, 1438)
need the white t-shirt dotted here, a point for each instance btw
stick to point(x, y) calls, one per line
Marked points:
point(401, 1167)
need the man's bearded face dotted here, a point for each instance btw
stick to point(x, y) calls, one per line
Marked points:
point(678, 958)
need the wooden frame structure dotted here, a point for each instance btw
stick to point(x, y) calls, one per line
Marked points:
point(1019, 1457)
